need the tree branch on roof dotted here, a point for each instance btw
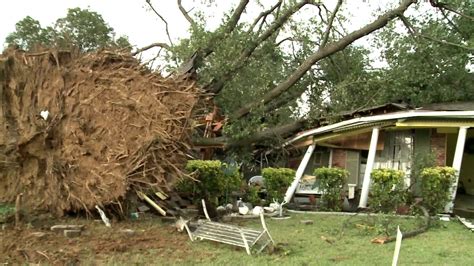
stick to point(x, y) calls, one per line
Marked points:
point(324, 52)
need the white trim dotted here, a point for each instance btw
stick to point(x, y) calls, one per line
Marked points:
point(364, 195)
point(376, 118)
point(457, 161)
point(299, 173)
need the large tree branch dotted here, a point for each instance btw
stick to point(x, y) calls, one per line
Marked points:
point(162, 18)
point(234, 19)
point(330, 23)
point(324, 52)
point(271, 133)
point(217, 84)
point(157, 44)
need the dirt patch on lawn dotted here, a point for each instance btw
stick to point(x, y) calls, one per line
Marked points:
point(97, 244)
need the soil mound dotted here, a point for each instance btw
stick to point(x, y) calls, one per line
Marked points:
point(112, 127)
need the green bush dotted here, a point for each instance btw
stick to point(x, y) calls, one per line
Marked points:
point(436, 187)
point(277, 181)
point(331, 184)
point(251, 195)
point(387, 191)
point(214, 180)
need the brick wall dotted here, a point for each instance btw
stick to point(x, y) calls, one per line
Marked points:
point(339, 158)
point(438, 147)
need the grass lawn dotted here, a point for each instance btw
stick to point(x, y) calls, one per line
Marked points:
point(330, 240)
point(448, 243)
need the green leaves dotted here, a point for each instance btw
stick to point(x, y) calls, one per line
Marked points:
point(331, 184)
point(81, 28)
point(436, 187)
point(277, 181)
point(387, 191)
point(215, 180)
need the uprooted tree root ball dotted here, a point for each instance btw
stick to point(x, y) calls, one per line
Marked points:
point(84, 129)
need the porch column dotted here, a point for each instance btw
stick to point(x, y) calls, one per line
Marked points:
point(299, 173)
point(368, 170)
point(457, 161)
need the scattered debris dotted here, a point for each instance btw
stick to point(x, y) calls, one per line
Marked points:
point(142, 195)
point(231, 234)
point(72, 233)
point(143, 208)
point(128, 231)
point(330, 241)
point(62, 227)
point(466, 223)
point(103, 217)
point(444, 218)
point(307, 222)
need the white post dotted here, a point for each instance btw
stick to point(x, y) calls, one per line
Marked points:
point(299, 173)
point(457, 161)
point(368, 169)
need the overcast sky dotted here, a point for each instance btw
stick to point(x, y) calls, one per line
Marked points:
point(132, 17)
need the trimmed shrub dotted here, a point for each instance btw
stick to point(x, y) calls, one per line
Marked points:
point(214, 180)
point(387, 191)
point(436, 187)
point(331, 184)
point(277, 181)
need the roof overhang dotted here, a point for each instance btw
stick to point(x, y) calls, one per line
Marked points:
point(406, 119)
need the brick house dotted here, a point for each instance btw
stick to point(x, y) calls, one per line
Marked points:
point(398, 139)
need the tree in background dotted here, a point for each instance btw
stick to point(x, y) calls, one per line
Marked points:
point(81, 28)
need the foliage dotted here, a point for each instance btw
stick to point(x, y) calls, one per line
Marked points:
point(436, 187)
point(387, 190)
point(82, 28)
point(277, 181)
point(423, 71)
point(215, 180)
point(252, 196)
point(421, 160)
point(331, 184)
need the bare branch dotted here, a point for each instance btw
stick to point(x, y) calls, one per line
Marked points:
point(185, 13)
point(284, 40)
point(162, 18)
point(440, 5)
point(263, 15)
point(324, 52)
point(414, 32)
point(330, 23)
point(157, 44)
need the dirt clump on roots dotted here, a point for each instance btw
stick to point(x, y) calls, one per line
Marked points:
point(84, 129)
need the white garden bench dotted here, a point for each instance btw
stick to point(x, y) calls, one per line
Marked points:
point(231, 234)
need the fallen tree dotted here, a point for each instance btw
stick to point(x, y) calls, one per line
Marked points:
point(85, 129)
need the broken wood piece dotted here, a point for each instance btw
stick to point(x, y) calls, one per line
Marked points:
point(307, 222)
point(330, 241)
point(466, 223)
point(62, 227)
point(18, 210)
point(103, 217)
point(161, 195)
point(151, 202)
